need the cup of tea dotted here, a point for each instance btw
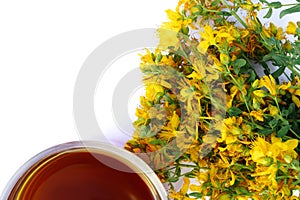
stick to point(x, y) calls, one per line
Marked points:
point(85, 170)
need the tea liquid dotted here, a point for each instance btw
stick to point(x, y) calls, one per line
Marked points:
point(80, 175)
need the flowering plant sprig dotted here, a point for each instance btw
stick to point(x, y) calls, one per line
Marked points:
point(208, 118)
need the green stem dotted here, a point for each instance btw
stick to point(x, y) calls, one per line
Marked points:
point(234, 14)
point(294, 133)
point(277, 105)
point(240, 88)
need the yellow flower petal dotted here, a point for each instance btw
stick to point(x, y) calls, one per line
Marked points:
point(273, 110)
point(269, 83)
point(185, 186)
point(292, 144)
point(207, 39)
point(175, 121)
point(258, 115)
point(291, 28)
point(296, 100)
point(224, 58)
point(284, 86)
point(232, 178)
point(260, 93)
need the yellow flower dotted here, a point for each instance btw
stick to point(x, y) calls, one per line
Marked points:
point(170, 131)
point(291, 28)
point(242, 198)
point(259, 150)
point(259, 93)
point(265, 153)
point(207, 39)
point(280, 34)
point(293, 91)
point(202, 176)
point(175, 121)
point(280, 150)
point(273, 110)
point(152, 90)
point(199, 70)
point(147, 58)
point(224, 196)
point(233, 91)
point(167, 60)
point(232, 178)
point(175, 21)
point(168, 31)
point(230, 130)
point(185, 186)
point(213, 176)
point(224, 58)
point(226, 35)
point(296, 100)
point(272, 28)
point(258, 115)
point(265, 33)
point(181, 194)
point(284, 86)
point(269, 83)
point(265, 176)
point(255, 84)
point(195, 75)
point(257, 98)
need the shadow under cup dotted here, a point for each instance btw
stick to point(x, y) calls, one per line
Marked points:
point(89, 170)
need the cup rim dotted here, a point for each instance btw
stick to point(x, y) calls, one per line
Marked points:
point(116, 152)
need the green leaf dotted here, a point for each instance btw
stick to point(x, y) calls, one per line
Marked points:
point(266, 131)
point(269, 13)
point(215, 3)
point(278, 72)
point(292, 108)
point(264, 1)
point(276, 4)
point(252, 77)
point(273, 123)
point(283, 131)
point(158, 57)
point(293, 9)
point(190, 174)
point(234, 111)
point(178, 171)
point(236, 69)
point(240, 62)
point(223, 13)
point(297, 61)
point(241, 191)
point(281, 59)
point(284, 112)
point(172, 179)
point(155, 142)
point(295, 183)
point(197, 195)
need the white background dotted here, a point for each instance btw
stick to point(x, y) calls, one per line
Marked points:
point(42, 47)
